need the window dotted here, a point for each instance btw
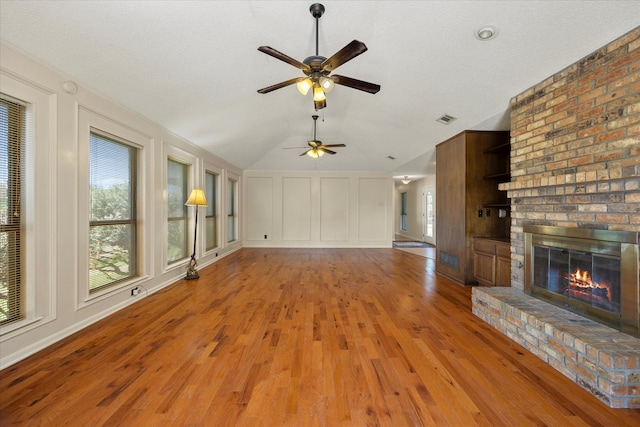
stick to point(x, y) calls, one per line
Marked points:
point(429, 214)
point(403, 211)
point(12, 147)
point(177, 179)
point(211, 223)
point(113, 244)
point(232, 215)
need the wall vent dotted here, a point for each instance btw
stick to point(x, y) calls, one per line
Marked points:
point(450, 260)
point(446, 119)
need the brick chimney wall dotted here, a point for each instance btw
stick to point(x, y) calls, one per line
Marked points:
point(575, 148)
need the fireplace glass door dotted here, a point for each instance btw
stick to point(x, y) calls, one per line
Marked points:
point(593, 273)
point(583, 277)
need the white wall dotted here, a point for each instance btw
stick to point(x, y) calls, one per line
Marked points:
point(57, 207)
point(318, 209)
point(416, 211)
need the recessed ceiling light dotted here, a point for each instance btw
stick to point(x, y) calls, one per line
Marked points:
point(486, 32)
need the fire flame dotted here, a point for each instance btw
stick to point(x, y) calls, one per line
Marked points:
point(581, 280)
point(582, 277)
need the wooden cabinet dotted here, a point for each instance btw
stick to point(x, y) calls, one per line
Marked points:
point(492, 262)
point(469, 167)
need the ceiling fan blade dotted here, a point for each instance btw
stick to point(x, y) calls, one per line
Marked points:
point(326, 150)
point(280, 85)
point(334, 145)
point(356, 84)
point(345, 54)
point(286, 58)
point(305, 153)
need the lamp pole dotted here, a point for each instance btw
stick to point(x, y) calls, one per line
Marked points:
point(197, 199)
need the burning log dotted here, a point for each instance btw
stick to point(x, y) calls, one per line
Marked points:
point(581, 282)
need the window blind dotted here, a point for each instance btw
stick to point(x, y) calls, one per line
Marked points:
point(12, 147)
point(211, 227)
point(231, 211)
point(177, 238)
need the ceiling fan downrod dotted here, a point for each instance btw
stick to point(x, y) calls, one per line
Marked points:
point(317, 10)
point(315, 120)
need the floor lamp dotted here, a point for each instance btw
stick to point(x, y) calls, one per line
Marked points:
point(196, 198)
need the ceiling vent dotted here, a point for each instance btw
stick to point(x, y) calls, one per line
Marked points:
point(446, 119)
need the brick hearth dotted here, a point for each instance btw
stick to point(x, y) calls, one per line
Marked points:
point(601, 360)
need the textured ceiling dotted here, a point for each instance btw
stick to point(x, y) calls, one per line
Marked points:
point(194, 68)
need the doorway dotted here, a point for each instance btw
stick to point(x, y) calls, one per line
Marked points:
point(429, 215)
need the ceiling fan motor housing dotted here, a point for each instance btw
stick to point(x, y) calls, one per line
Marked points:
point(317, 10)
point(315, 64)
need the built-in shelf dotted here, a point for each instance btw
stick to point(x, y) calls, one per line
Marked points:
point(502, 148)
point(499, 176)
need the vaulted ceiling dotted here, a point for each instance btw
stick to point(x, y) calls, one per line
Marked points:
point(194, 68)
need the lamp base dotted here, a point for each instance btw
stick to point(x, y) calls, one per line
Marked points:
point(192, 273)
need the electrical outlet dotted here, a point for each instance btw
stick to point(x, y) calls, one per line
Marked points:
point(265, 237)
point(479, 213)
point(487, 213)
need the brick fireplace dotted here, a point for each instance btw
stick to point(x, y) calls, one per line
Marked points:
point(575, 163)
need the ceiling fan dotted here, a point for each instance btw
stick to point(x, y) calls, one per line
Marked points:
point(317, 148)
point(318, 68)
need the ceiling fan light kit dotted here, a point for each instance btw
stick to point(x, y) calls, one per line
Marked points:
point(318, 68)
point(314, 153)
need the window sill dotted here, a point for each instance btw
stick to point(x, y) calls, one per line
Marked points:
point(12, 329)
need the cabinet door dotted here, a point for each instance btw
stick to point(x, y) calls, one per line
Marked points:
point(503, 264)
point(503, 271)
point(484, 268)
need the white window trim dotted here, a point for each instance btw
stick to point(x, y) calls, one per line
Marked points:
point(41, 204)
point(174, 153)
point(238, 209)
point(89, 121)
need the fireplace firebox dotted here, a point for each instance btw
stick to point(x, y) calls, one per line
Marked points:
point(593, 273)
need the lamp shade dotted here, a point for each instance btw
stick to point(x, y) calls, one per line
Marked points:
point(197, 198)
point(318, 93)
point(326, 83)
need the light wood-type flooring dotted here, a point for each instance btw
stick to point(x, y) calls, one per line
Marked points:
point(298, 337)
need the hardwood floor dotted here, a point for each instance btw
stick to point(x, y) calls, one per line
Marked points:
point(300, 337)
